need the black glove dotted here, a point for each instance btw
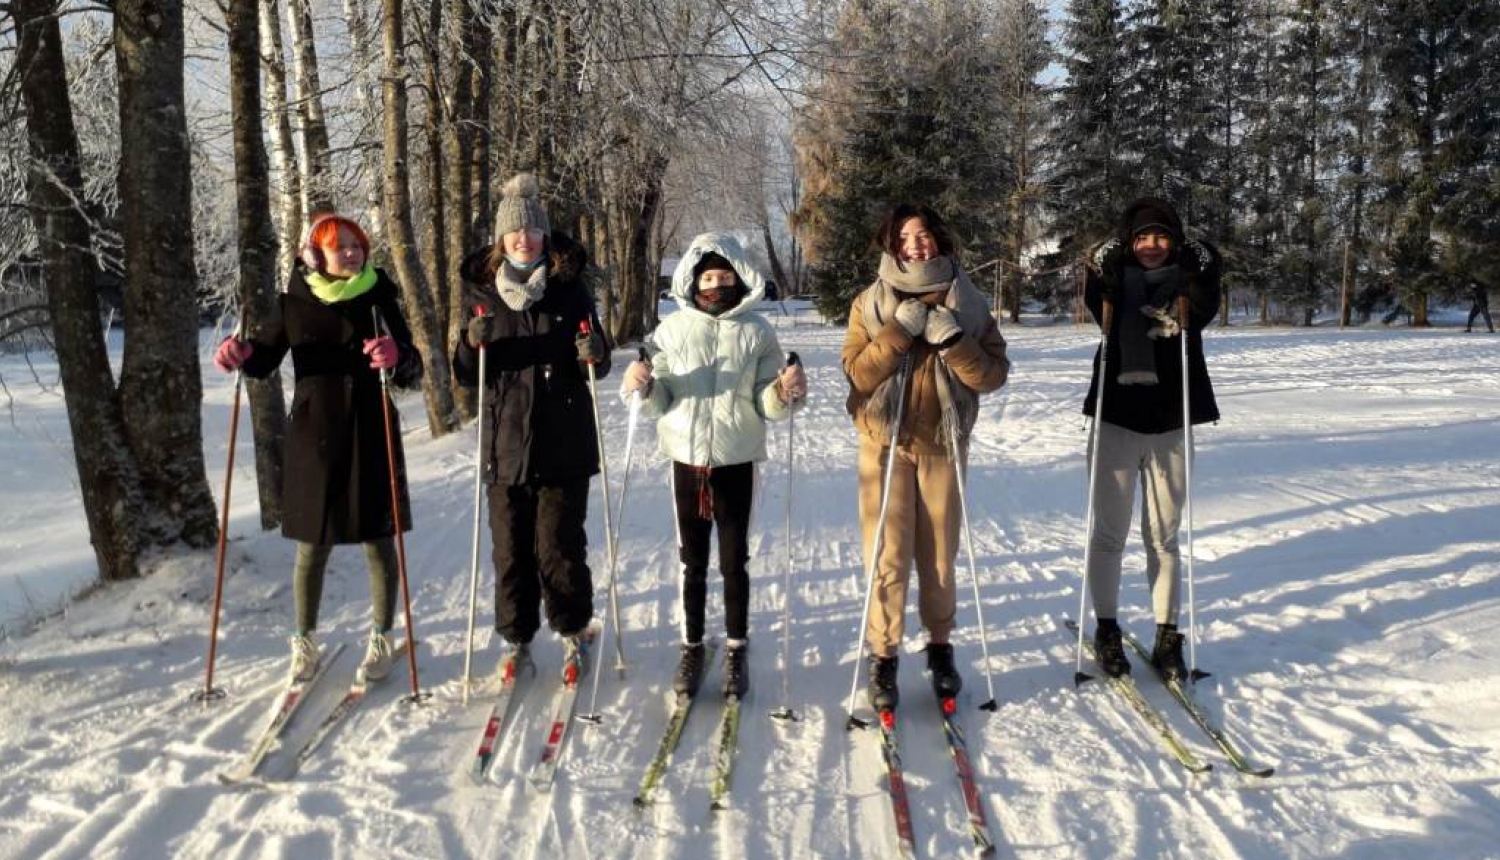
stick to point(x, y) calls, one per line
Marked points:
point(590, 347)
point(483, 329)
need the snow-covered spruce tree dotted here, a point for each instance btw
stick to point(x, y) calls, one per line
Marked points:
point(1092, 180)
point(1353, 139)
point(1432, 61)
point(1165, 118)
point(911, 112)
point(1220, 212)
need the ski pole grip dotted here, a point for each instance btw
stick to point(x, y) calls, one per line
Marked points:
point(793, 358)
point(641, 354)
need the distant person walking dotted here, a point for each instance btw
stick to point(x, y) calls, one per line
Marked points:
point(1481, 307)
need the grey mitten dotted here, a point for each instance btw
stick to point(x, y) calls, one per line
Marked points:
point(942, 328)
point(483, 329)
point(912, 316)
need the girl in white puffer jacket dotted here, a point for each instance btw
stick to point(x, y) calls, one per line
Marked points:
point(717, 375)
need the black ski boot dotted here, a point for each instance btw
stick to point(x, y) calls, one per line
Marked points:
point(689, 670)
point(1166, 655)
point(736, 671)
point(945, 679)
point(1110, 648)
point(883, 693)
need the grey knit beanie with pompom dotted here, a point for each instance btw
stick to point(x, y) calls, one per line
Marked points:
point(520, 207)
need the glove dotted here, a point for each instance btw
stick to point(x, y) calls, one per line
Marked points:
point(483, 329)
point(912, 315)
point(637, 378)
point(231, 354)
point(1166, 322)
point(942, 329)
point(590, 346)
point(383, 352)
point(791, 383)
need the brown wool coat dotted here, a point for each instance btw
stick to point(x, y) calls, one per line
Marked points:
point(977, 362)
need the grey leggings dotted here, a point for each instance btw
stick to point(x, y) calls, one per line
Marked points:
point(307, 582)
point(1157, 458)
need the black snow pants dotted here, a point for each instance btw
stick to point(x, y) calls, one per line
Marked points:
point(541, 553)
point(724, 497)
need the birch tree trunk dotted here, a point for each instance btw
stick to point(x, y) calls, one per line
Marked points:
point(257, 248)
point(364, 98)
point(416, 298)
point(283, 150)
point(161, 387)
point(317, 172)
point(112, 502)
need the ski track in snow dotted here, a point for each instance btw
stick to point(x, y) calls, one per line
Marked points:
point(1347, 577)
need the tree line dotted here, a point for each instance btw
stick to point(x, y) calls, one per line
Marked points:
point(159, 160)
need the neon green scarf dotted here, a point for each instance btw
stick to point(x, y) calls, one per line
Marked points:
point(330, 290)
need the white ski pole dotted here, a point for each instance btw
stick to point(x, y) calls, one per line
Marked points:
point(872, 564)
point(785, 712)
point(1184, 308)
point(961, 473)
point(592, 715)
point(1108, 314)
point(478, 515)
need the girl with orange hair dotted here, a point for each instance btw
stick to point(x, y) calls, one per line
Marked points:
point(336, 486)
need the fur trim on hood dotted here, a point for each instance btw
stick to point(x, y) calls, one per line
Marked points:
point(725, 246)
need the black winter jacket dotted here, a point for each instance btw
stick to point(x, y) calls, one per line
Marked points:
point(1156, 408)
point(336, 480)
point(539, 419)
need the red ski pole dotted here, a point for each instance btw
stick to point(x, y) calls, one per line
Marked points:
point(209, 691)
point(416, 696)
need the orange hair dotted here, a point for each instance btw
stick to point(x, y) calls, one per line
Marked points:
point(326, 233)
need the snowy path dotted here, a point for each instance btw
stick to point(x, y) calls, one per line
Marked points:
point(1348, 580)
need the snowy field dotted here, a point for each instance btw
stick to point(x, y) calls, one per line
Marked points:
point(1348, 585)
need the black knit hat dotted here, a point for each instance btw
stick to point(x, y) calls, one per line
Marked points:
point(711, 262)
point(1150, 212)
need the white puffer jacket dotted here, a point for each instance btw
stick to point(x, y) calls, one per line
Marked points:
point(714, 377)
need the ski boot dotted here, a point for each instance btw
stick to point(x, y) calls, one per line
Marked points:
point(945, 678)
point(1166, 654)
point(305, 658)
point(514, 657)
point(689, 670)
point(883, 693)
point(575, 656)
point(1111, 648)
point(736, 671)
point(379, 657)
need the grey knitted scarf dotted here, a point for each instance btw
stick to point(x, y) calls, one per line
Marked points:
point(520, 290)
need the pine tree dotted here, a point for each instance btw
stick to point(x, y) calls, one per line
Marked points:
point(1092, 181)
point(912, 115)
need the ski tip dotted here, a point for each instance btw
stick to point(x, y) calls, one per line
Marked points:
point(990, 706)
point(1081, 678)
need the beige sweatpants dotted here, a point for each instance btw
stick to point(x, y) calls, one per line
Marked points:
point(922, 525)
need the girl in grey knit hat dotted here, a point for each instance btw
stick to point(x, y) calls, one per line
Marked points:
point(526, 305)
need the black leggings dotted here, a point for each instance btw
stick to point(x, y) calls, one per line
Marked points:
point(722, 496)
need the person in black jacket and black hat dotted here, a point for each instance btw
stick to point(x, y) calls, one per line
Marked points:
point(523, 302)
point(1141, 273)
point(337, 480)
point(1480, 307)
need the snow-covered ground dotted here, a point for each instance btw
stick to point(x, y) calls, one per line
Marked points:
point(1348, 586)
